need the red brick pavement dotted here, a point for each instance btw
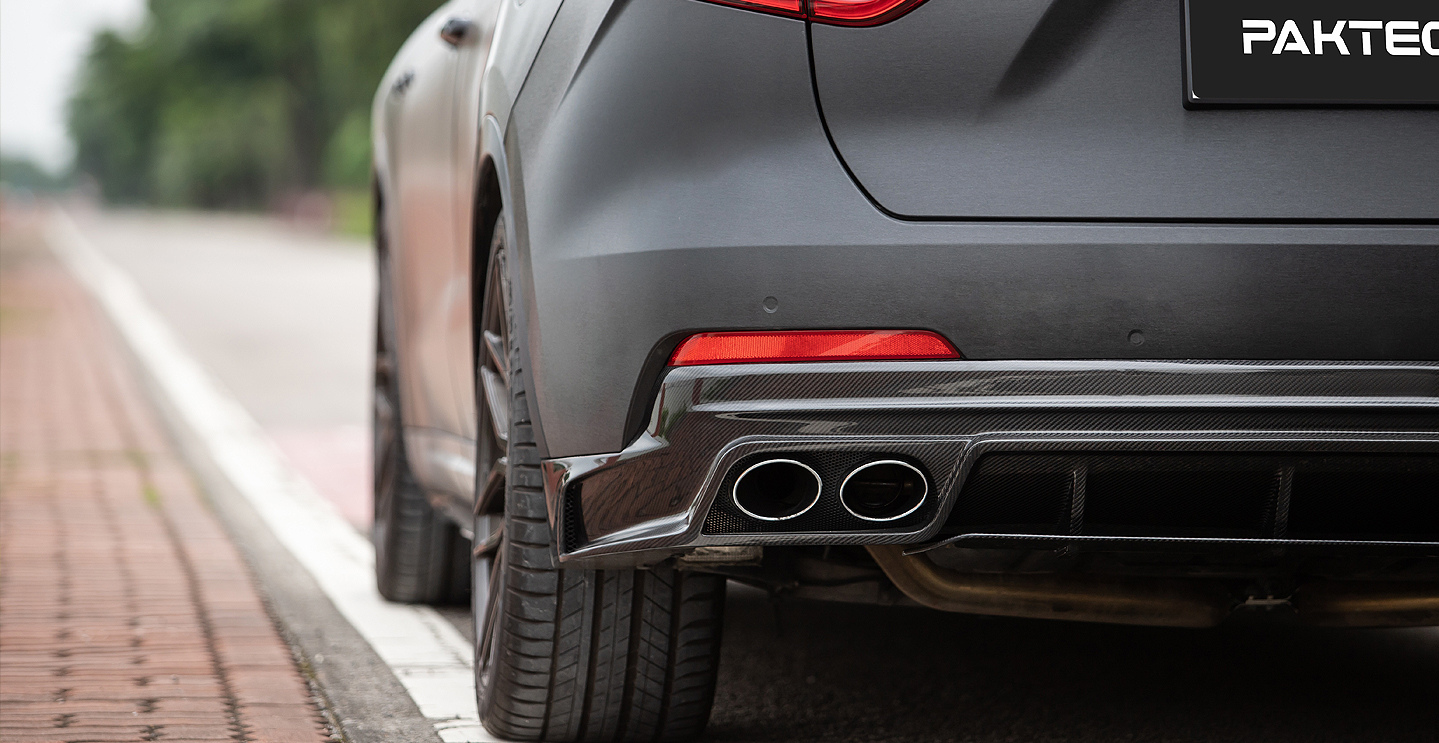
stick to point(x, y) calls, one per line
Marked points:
point(125, 612)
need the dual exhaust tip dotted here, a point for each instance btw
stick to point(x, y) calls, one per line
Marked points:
point(782, 489)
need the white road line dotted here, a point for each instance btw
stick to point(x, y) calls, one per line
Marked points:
point(429, 657)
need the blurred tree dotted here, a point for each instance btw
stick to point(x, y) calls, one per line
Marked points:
point(236, 103)
point(112, 117)
point(23, 174)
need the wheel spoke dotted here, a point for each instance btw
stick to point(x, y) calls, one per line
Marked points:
point(496, 399)
point(495, 348)
point(493, 488)
point(489, 551)
point(488, 543)
point(485, 636)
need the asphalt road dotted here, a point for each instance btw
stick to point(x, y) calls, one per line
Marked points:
point(282, 316)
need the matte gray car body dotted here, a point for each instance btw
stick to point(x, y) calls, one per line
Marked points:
point(1019, 177)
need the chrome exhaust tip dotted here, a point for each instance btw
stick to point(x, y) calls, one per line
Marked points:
point(883, 490)
point(777, 490)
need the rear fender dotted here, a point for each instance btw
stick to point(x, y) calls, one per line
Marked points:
point(501, 152)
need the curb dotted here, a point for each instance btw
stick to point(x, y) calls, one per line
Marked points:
point(317, 570)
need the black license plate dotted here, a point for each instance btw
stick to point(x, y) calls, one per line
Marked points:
point(1311, 52)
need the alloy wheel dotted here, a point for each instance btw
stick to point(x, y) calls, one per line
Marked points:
point(493, 399)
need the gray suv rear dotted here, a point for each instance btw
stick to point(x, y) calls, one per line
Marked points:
point(1103, 310)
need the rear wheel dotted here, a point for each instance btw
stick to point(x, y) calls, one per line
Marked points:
point(420, 555)
point(561, 654)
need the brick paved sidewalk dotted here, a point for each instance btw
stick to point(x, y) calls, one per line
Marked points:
point(125, 612)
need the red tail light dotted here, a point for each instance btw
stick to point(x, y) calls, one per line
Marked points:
point(835, 12)
point(782, 346)
point(859, 12)
point(791, 8)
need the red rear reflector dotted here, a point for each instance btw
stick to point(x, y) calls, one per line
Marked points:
point(783, 346)
point(836, 12)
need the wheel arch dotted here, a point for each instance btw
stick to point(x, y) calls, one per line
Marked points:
point(499, 187)
point(488, 205)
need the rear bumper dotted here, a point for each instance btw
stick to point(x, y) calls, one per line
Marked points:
point(998, 292)
point(666, 493)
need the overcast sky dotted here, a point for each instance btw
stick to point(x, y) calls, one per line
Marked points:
point(42, 43)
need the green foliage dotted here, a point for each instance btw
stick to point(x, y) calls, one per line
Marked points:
point(347, 157)
point(225, 148)
point(112, 117)
point(236, 103)
point(23, 174)
point(354, 211)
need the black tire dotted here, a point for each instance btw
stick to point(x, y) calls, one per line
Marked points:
point(420, 555)
point(580, 655)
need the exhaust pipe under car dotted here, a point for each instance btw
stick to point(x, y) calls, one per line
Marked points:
point(884, 490)
point(1077, 597)
point(777, 490)
point(1158, 602)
